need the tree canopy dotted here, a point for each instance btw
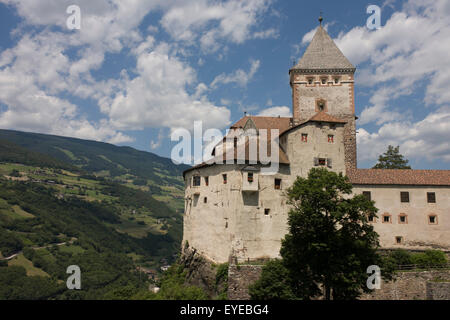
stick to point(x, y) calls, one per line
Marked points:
point(392, 159)
point(330, 243)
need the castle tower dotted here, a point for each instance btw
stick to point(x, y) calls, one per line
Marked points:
point(323, 80)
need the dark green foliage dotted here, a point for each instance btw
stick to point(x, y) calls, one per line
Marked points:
point(15, 285)
point(9, 243)
point(330, 243)
point(173, 286)
point(392, 159)
point(429, 258)
point(274, 283)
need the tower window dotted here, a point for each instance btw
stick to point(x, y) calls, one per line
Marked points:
point(324, 80)
point(399, 240)
point(330, 138)
point(432, 219)
point(404, 197)
point(196, 181)
point(321, 105)
point(205, 200)
point(431, 197)
point(206, 181)
point(337, 80)
point(277, 184)
point(250, 177)
point(235, 142)
point(310, 81)
point(224, 177)
point(266, 212)
point(304, 137)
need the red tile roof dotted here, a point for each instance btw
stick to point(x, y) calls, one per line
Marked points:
point(325, 117)
point(399, 177)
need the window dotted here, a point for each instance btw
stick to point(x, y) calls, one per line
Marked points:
point(336, 80)
point(266, 212)
point(371, 219)
point(386, 218)
point(322, 162)
point(402, 218)
point(431, 197)
point(206, 181)
point(330, 138)
point(196, 181)
point(310, 81)
point(224, 176)
point(321, 106)
point(235, 142)
point(277, 184)
point(399, 240)
point(404, 197)
point(368, 195)
point(432, 219)
point(324, 80)
point(304, 137)
point(250, 177)
point(205, 200)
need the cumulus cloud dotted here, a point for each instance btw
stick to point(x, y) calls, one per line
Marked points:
point(231, 20)
point(424, 139)
point(240, 77)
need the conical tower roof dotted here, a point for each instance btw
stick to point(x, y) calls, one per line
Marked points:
point(323, 54)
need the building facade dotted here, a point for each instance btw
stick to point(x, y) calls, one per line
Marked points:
point(236, 210)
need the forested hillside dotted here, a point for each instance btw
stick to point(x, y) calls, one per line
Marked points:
point(107, 209)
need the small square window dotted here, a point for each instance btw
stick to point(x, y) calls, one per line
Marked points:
point(304, 137)
point(402, 219)
point(431, 197)
point(324, 80)
point(224, 176)
point(310, 81)
point(336, 80)
point(277, 184)
point(432, 219)
point(266, 212)
point(330, 138)
point(386, 219)
point(404, 197)
point(371, 219)
point(399, 240)
point(322, 162)
point(250, 177)
point(368, 195)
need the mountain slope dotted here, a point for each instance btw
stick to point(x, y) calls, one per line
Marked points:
point(99, 157)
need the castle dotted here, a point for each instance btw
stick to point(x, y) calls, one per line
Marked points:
point(235, 211)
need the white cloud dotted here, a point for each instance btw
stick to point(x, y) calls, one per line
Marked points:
point(281, 111)
point(240, 77)
point(158, 96)
point(231, 20)
point(426, 139)
point(411, 49)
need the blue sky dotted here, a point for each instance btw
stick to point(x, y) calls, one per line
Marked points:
point(136, 70)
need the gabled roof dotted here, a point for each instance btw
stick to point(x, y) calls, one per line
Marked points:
point(323, 53)
point(280, 123)
point(399, 177)
point(322, 116)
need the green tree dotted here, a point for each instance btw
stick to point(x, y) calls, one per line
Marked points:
point(392, 159)
point(330, 243)
point(274, 283)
